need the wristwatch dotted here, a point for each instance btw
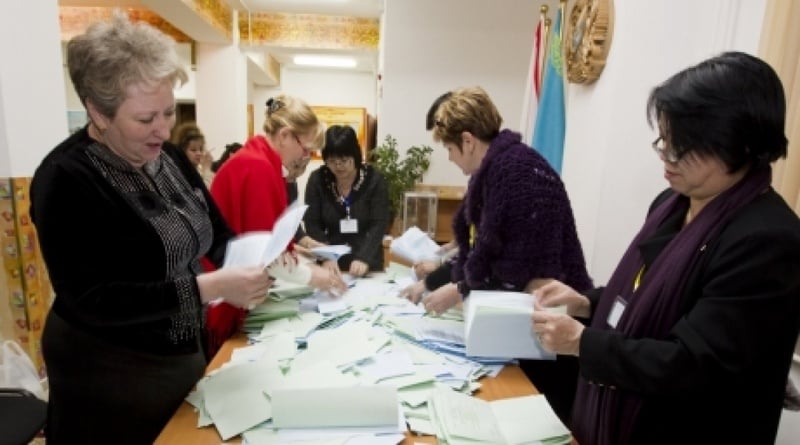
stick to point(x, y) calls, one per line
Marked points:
point(463, 288)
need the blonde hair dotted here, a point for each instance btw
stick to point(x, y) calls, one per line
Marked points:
point(295, 114)
point(110, 56)
point(466, 109)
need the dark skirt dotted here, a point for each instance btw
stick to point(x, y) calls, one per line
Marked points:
point(103, 393)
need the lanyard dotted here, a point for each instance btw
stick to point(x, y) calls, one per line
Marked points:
point(346, 201)
point(472, 235)
point(638, 279)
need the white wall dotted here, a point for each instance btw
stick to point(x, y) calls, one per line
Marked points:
point(187, 92)
point(33, 118)
point(221, 95)
point(430, 47)
point(610, 171)
point(321, 87)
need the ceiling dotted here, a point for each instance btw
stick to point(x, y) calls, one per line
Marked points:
point(353, 8)
point(366, 61)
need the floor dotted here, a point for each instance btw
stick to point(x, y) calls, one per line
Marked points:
point(789, 429)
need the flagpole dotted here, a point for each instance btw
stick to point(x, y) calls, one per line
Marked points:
point(542, 47)
point(545, 43)
point(562, 5)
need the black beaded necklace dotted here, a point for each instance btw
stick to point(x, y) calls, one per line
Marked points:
point(361, 175)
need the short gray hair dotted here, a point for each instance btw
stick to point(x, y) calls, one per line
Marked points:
point(110, 56)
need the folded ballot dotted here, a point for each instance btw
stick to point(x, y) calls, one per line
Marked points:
point(498, 324)
point(415, 246)
point(515, 421)
point(355, 406)
point(331, 252)
point(262, 248)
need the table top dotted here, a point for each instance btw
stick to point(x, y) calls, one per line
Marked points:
point(182, 428)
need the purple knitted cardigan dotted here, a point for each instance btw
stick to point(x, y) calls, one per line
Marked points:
point(523, 220)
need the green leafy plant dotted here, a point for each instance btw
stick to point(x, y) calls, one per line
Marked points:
point(400, 175)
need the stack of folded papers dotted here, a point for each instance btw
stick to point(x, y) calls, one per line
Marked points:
point(518, 420)
point(415, 245)
point(498, 324)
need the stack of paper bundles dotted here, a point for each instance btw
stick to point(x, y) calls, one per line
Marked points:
point(498, 324)
point(269, 311)
point(300, 326)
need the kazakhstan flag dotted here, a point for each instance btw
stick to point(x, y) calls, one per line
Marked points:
point(548, 134)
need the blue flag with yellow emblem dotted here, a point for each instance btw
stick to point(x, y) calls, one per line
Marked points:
point(548, 134)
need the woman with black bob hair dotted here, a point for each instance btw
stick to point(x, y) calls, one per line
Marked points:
point(348, 203)
point(692, 338)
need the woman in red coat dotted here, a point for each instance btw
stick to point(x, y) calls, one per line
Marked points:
point(250, 190)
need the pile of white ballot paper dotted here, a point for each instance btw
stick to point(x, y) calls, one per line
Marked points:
point(415, 245)
point(365, 374)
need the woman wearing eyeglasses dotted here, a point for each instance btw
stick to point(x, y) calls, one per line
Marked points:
point(348, 203)
point(251, 192)
point(691, 339)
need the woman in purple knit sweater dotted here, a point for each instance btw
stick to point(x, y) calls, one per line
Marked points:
point(515, 229)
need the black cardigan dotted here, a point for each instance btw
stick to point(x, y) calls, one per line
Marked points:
point(108, 265)
point(370, 206)
point(720, 375)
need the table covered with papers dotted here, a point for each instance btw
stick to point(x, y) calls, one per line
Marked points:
point(365, 368)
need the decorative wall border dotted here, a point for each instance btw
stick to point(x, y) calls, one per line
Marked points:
point(309, 31)
point(215, 12)
point(75, 19)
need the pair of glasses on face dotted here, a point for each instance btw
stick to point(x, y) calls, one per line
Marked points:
point(668, 154)
point(338, 162)
point(305, 148)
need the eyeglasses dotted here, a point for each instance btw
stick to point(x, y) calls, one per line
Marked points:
point(338, 162)
point(305, 148)
point(668, 154)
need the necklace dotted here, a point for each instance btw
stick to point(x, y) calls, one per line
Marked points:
point(341, 197)
point(344, 190)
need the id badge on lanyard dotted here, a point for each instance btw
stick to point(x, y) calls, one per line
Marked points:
point(347, 225)
point(616, 311)
point(620, 303)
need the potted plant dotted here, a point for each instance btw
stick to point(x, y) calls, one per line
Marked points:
point(400, 175)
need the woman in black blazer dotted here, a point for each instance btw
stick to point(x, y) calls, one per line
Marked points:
point(691, 340)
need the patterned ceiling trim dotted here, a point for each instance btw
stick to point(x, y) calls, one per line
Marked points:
point(75, 19)
point(215, 12)
point(309, 31)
